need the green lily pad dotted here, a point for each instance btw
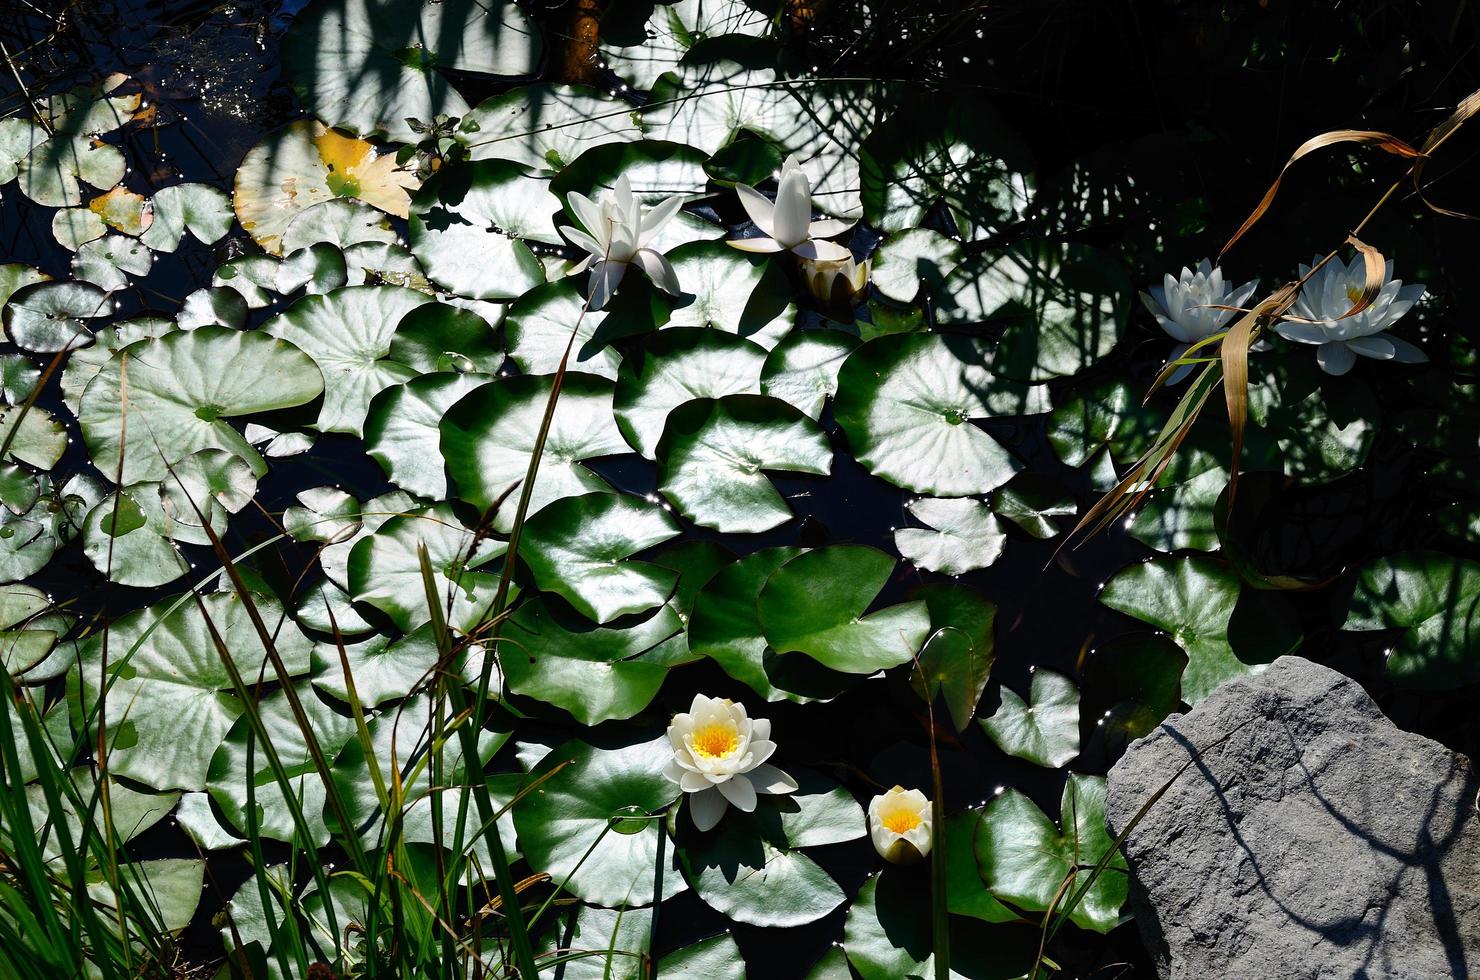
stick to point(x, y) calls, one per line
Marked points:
point(348, 333)
point(678, 365)
point(540, 324)
point(1046, 733)
point(200, 208)
point(593, 805)
point(918, 257)
point(1061, 307)
point(803, 369)
point(50, 316)
point(448, 336)
point(1138, 676)
point(367, 67)
point(402, 429)
point(751, 867)
point(34, 437)
point(74, 227)
point(1194, 600)
point(167, 678)
point(595, 674)
point(108, 262)
point(182, 389)
point(546, 126)
point(957, 659)
point(815, 604)
point(229, 772)
point(639, 56)
point(1033, 504)
point(960, 535)
point(1024, 858)
point(713, 452)
point(385, 568)
point(346, 224)
point(467, 226)
point(581, 548)
point(382, 669)
point(1432, 598)
point(654, 170)
point(907, 401)
point(489, 436)
point(729, 290)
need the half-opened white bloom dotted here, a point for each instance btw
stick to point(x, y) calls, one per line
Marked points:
point(719, 758)
point(788, 221)
point(1185, 307)
point(1333, 291)
point(836, 280)
point(900, 825)
point(616, 234)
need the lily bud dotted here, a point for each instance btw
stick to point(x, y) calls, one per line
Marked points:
point(900, 825)
point(836, 282)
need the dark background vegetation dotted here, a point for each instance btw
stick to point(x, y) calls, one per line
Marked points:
point(1155, 126)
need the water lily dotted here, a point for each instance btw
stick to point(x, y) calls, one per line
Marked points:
point(788, 221)
point(616, 234)
point(900, 825)
point(1329, 294)
point(836, 281)
point(719, 758)
point(1186, 307)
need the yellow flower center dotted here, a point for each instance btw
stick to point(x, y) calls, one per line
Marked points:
point(901, 821)
point(1354, 294)
point(716, 740)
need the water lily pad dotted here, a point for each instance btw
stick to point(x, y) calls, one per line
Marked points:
point(803, 369)
point(74, 227)
point(304, 164)
point(639, 56)
point(586, 821)
point(448, 337)
point(654, 170)
point(1194, 600)
point(957, 659)
point(182, 389)
point(348, 333)
point(729, 290)
point(50, 316)
point(961, 535)
point(1034, 505)
point(918, 257)
point(907, 401)
point(229, 771)
point(540, 324)
point(489, 436)
point(402, 431)
point(32, 437)
point(200, 208)
point(1024, 858)
point(581, 547)
point(1046, 732)
point(1432, 599)
point(815, 604)
point(546, 126)
point(167, 678)
point(369, 66)
point(678, 365)
point(55, 170)
point(751, 867)
point(713, 452)
point(105, 261)
point(384, 568)
point(595, 674)
point(1061, 307)
point(345, 224)
point(467, 226)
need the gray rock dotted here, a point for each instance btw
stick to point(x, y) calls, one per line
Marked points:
point(1309, 837)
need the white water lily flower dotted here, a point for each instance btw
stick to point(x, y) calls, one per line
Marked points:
point(839, 280)
point(1185, 307)
point(719, 758)
point(899, 823)
point(1333, 291)
point(788, 221)
point(616, 234)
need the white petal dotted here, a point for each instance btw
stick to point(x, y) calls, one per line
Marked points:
point(761, 729)
point(828, 227)
point(760, 750)
point(1335, 358)
point(740, 792)
point(674, 771)
point(759, 207)
point(580, 239)
point(793, 209)
point(1376, 346)
point(755, 244)
point(659, 270)
point(587, 212)
point(658, 217)
point(693, 782)
point(706, 808)
point(769, 779)
point(1404, 352)
point(605, 277)
point(823, 250)
point(1303, 333)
